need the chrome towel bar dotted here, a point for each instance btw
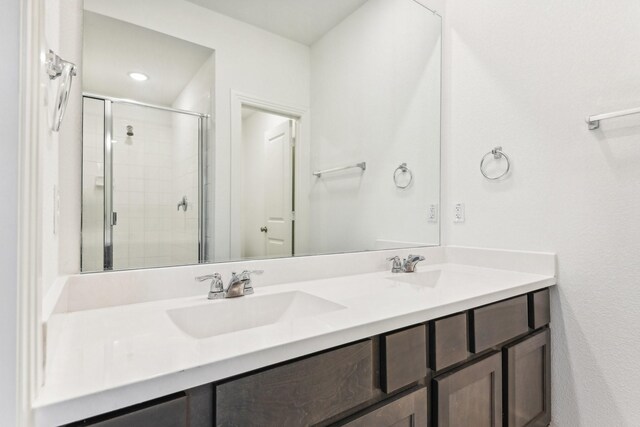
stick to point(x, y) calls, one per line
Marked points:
point(361, 165)
point(594, 121)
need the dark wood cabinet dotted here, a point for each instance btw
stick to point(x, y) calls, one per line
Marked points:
point(539, 309)
point(403, 357)
point(470, 395)
point(301, 393)
point(448, 341)
point(527, 398)
point(408, 410)
point(168, 412)
point(497, 323)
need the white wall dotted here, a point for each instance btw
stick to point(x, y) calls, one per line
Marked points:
point(9, 101)
point(524, 75)
point(253, 178)
point(375, 97)
point(249, 60)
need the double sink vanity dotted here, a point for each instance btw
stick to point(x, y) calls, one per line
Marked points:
point(464, 336)
point(261, 227)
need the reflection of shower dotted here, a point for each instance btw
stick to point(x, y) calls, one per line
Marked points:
point(154, 179)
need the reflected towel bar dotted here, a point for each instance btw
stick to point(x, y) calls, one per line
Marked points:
point(361, 165)
point(594, 121)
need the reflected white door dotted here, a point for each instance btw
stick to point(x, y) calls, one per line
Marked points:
point(278, 191)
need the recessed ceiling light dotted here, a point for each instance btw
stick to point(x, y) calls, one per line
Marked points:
point(140, 77)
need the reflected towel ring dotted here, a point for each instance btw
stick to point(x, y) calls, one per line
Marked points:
point(402, 169)
point(497, 153)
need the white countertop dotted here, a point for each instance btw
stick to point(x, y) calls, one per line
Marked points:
point(113, 357)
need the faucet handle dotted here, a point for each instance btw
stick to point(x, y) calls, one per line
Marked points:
point(397, 264)
point(246, 276)
point(216, 290)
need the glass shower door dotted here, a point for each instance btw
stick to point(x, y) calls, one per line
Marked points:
point(155, 187)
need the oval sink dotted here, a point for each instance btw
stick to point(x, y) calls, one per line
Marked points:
point(235, 314)
point(427, 278)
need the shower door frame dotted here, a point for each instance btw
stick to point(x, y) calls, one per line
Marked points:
point(108, 172)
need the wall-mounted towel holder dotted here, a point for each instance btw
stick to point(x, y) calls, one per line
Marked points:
point(401, 171)
point(594, 121)
point(361, 165)
point(497, 154)
point(58, 68)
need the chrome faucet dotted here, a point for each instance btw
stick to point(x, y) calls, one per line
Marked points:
point(397, 264)
point(239, 285)
point(406, 266)
point(216, 290)
point(409, 264)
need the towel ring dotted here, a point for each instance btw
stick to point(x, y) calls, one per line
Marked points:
point(402, 169)
point(497, 153)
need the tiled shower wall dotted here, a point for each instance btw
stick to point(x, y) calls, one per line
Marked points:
point(152, 170)
point(184, 226)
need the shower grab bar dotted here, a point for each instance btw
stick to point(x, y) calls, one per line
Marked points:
point(361, 165)
point(594, 121)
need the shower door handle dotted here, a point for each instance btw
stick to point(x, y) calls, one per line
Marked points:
point(114, 218)
point(264, 229)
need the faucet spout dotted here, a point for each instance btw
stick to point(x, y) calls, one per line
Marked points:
point(410, 263)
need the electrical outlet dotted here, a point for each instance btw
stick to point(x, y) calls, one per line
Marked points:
point(458, 213)
point(432, 213)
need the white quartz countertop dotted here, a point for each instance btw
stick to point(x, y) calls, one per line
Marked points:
point(114, 357)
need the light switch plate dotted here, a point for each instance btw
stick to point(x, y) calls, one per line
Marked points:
point(432, 213)
point(458, 213)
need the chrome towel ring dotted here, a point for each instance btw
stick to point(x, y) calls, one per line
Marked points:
point(497, 153)
point(401, 170)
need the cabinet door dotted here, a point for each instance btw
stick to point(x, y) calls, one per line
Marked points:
point(471, 395)
point(407, 411)
point(528, 397)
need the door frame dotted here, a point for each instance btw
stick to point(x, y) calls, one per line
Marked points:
point(301, 157)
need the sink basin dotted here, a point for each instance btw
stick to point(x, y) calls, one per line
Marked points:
point(235, 314)
point(427, 279)
point(438, 278)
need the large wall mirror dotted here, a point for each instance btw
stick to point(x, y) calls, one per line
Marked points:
point(222, 130)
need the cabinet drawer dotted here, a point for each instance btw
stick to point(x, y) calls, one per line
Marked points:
point(409, 410)
point(496, 323)
point(166, 413)
point(539, 309)
point(470, 395)
point(300, 393)
point(527, 400)
point(403, 357)
point(449, 341)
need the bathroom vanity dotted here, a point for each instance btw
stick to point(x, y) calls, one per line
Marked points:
point(465, 337)
point(489, 363)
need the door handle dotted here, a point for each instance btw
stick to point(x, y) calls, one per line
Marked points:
point(264, 229)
